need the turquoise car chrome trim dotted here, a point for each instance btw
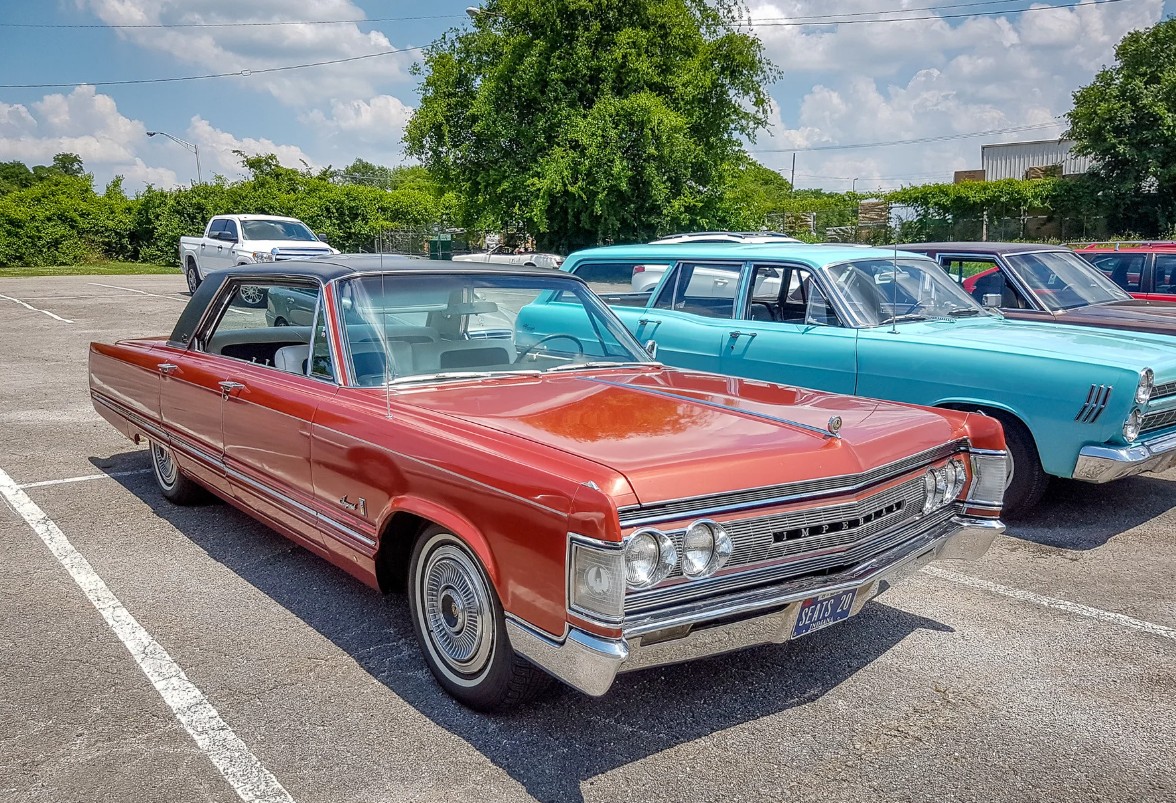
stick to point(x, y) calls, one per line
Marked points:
point(1106, 463)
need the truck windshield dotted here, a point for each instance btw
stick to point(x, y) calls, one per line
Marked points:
point(276, 230)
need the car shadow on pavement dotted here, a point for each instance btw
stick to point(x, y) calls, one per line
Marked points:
point(564, 739)
point(1079, 516)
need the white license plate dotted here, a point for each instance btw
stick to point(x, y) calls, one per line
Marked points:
point(818, 612)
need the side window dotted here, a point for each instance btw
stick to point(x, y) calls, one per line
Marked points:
point(622, 283)
point(1125, 270)
point(702, 289)
point(802, 301)
point(1165, 281)
point(259, 331)
point(231, 228)
point(320, 346)
point(963, 268)
point(217, 227)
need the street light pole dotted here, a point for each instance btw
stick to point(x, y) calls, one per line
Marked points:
point(190, 146)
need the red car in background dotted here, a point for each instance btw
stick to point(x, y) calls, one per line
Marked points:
point(1144, 269)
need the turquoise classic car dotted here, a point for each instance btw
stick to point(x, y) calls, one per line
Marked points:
point(1085, 403)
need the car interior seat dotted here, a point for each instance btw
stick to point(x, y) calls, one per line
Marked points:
point(292, 359)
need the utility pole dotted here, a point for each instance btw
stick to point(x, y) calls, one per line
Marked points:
point(792, 180)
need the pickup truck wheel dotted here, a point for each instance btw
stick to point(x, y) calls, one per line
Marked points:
point(193, 276)
point(460, 626)
point(1029, 480)
point(175, 486)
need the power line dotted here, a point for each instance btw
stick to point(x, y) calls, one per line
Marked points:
point(239, 73)
point(131, 26)
point(919, 140)
point(841, 15)
point(839, 20)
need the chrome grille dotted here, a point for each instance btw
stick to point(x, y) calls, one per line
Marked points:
point(685, 590)
point(1164, 391)
point(778, 494)
point(1096, 401)
point(1154, 421)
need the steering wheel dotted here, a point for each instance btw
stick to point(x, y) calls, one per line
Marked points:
point(542, 340)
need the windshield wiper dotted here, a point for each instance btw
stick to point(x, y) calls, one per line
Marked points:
point(964, 312)
point(600, 364)
point(903, 318)
point(454, 375)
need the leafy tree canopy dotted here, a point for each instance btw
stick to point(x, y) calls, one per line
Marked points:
point(591, 120)
point(17, 175)
point(1126, 120)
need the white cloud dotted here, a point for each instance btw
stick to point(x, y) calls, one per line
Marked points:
point(241, 46)
point(929, 78)
point(82, 122)
point(217, 150)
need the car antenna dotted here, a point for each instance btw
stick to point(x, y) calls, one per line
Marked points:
point(894, 293)
point(388, 367)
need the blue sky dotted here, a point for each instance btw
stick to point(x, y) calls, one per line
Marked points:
point(843, 84)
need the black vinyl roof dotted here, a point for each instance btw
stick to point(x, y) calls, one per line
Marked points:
point(979, 247)
point(326, 269)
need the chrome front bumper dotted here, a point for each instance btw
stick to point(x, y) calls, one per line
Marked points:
point(760, 616)
point(1107, 463)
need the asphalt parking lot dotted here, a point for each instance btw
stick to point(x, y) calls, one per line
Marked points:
point(1043, 672)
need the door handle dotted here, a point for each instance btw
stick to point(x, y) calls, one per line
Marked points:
point(749, 335)
point(648, 322)
point(227, 387)
point(167, 367)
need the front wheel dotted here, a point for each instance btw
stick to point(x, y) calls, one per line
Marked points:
point(193, 276)
point(252, 296)
point(461, 629)
point(172, 483)
point(1028, 482)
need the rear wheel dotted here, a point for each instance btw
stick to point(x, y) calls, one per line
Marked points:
point(172, 483)
point(461, 629)
point(1028, 482)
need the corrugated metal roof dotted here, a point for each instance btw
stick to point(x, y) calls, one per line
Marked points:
point(1012, 159)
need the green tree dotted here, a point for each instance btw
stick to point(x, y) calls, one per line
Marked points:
point(753, 193)
point(590, 120)
point(1125, 119)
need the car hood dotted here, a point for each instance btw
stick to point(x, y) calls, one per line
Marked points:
point(307, 246)
point(1129, 350)
point(1152, 316)
point(675, 434)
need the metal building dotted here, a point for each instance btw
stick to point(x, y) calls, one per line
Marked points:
point(1024, 159)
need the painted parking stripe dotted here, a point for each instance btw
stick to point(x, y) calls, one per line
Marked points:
point(252, 782)
point(87, 477)
point(35, 309)
point(140, 292)
point(1052, 602)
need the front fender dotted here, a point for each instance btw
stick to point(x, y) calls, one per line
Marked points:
point(457, 524)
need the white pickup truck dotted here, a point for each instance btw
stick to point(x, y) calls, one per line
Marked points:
point(231, 240)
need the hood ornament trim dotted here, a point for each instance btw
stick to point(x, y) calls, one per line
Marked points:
point(834, 426)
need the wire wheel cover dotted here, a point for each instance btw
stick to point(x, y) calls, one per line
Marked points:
point(251, 294)
point(457, 612)
point(165, 465)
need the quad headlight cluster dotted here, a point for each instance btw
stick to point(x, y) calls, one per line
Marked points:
point(1147, 383)
point(651, 556)
point(943, 484)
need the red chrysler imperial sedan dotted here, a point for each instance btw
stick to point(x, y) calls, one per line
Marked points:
point(555, 503)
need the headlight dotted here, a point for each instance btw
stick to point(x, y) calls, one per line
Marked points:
point(1131, 426)
point(650, 556)
point(596, 585)
point(705, 549)
point(262, 256)
point(1147, 383)
point(943, 484)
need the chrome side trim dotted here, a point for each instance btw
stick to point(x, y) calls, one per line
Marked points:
point(814, 489)
point(1106, 463)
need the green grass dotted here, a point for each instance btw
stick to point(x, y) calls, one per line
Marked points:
point(93, 269)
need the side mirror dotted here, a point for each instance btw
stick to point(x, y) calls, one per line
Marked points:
point(991, 300)
point(227, 236)
point(651, 347)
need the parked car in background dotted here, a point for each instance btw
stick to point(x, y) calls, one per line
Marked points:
point(505, 255)
point(1046, 283)
point(1081, 403)
point(231, 240)
point(553, 502)
point(745, 237)
point(1144, 269)
point(646, 277)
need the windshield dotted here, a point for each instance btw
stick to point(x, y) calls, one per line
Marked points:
point(276, 230)
point(1063, 280)
point(883, 291)
point(440, 327)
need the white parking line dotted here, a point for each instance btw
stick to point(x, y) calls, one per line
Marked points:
point(1052, 602)
point(111, 475)
point(251, 781)
point(140, 292)
point(34, 309)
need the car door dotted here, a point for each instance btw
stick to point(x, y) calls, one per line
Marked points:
point(267, 399)
point(1163, 277)
point(1124, 269)
point(208, 259)
point(190, 408)
point(225, 258)
point(985, 278)
point(789, 332)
